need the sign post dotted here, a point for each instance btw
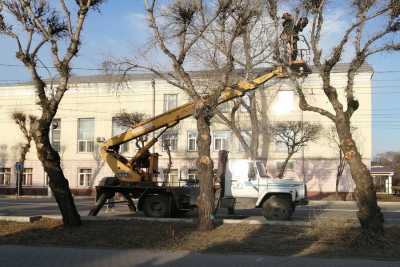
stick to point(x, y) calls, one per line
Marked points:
point(19, 168)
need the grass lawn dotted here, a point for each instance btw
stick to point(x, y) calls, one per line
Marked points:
point(323, 238)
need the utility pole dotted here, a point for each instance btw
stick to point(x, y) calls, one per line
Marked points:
point(302, 149)
point(153, 85)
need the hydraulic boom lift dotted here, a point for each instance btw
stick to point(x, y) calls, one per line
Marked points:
point(136, 177)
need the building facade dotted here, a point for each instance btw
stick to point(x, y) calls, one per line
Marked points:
point(87, 113)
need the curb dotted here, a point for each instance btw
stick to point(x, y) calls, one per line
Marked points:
point(253, 220)
point(116, 218)
point(262, 221)
point(22, 219)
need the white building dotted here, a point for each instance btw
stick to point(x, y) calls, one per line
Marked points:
point(86, 112)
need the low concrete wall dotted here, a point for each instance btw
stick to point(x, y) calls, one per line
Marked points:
point(31, 191)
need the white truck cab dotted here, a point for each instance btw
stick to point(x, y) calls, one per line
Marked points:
point(277, 197)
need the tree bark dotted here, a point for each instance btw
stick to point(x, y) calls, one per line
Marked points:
point(52, 165)
point(222, 162)
point(369, 214)
point(339, 172)
point(255, 132)
point(283, 167)
point(205, 170)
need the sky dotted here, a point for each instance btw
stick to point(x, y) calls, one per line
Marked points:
point(120, 29)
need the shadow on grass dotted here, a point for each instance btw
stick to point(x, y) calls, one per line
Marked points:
point(326, 237)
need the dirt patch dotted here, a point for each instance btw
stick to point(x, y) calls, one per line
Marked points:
point(321, 239)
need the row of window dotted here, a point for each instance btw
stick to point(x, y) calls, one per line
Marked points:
point(220, 139)
point(284, 102)
point(85, 177)
point(5, 177)
point(86, 128)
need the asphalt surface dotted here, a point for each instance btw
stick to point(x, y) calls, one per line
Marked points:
point(20, 256)
point(47, 206)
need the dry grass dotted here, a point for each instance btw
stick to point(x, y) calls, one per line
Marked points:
point(330, 238)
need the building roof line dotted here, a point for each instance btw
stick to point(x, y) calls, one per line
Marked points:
point(145, 76)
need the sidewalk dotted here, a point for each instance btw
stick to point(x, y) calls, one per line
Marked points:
point(20, 256)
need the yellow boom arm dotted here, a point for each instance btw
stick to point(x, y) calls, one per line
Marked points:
point(125, 169)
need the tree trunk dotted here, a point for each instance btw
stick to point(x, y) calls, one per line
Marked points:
point(265, 131)
point(57, 181)
point(283, 167)
point(205, 170)
point(254, 127)
point(222, 162)
point(339, 172)
point(337, 186)
point(369, 214)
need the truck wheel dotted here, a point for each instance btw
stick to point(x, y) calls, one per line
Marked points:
point(156, 206)
point(277, 208)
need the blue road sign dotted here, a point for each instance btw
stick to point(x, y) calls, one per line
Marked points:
point(19, 166)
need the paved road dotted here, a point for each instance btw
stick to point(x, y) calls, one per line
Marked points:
point(46, 206)
point(10, 256)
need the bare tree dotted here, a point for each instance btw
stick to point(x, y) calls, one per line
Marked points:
point(21, 120)
point(129, 120)
point(333, 139)
point(39, 26)
point(252, 50)
point(24, 125)
point(370, 31)
point(182, 26)
point(294, 135)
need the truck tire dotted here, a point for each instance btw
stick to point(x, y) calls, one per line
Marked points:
point(157, 206)
point(278, 208)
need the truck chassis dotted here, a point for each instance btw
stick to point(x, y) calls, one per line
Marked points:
point(153, 199)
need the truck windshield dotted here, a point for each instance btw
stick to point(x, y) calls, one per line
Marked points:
point(261, 170)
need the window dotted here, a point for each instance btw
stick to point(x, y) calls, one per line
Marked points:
point(246, 134)
point(85, 177)
point(380, 183)
point(192, 141)
point(117, 128)
point(170, 102)
point(261, 169)
point(189, 177)
point(46, 179)
point(171, 140)
point(56, 134)
point(220, 140)
point(284, 102)
point(27, 177)
point(86, 135)
point(192, 174)
point(172, 177)
point(5, 176)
